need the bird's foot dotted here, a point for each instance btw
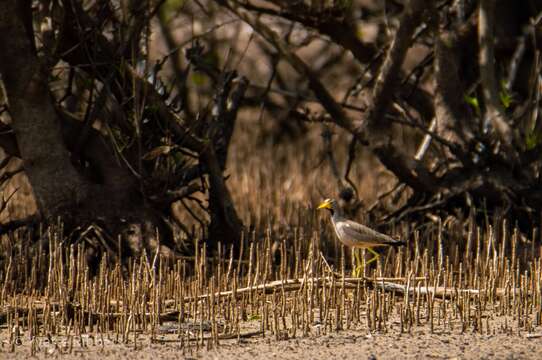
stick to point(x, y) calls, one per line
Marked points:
point(375, 257)
point(358, 271)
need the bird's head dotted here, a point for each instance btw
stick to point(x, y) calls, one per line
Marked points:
point(329, 204)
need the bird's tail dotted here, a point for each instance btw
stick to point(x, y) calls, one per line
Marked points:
point(397, 243)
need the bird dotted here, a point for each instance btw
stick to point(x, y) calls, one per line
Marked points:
point(356, 235)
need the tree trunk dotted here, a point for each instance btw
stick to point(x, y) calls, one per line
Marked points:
point(56, 184)
point(60, 190)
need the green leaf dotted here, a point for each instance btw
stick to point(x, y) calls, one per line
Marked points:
point(505, 96)
point(55, 77)
point(344, 4)
point(506, 99)
point(169, 8)
point(198, 79)
point(253, 317)
point(359, 33)
point(532, 140)
point(473, 101)
point(178, 158)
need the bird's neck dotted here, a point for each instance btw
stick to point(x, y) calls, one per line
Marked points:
point(336, 213)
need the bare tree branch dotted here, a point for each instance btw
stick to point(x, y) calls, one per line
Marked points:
point(339, 27)
point(388, 77)
point(321, 92)
point(407, 169)
point(454, 121)
point(486, 37)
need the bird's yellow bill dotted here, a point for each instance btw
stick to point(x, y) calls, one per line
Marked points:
point(325, 205)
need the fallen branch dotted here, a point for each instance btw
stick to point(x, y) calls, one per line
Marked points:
point(288, 285)
point(351, 284)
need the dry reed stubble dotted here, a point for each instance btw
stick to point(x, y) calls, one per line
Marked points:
point(489, 283)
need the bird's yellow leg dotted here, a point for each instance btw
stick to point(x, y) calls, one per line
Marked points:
point(376, 256)
point(359, 263)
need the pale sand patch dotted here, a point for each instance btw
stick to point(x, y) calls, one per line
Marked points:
point(347, 344)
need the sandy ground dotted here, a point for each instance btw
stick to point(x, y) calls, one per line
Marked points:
point(340, 345)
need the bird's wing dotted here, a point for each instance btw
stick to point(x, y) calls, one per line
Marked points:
point(363, 234)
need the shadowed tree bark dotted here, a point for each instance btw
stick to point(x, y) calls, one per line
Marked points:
point(56, 184)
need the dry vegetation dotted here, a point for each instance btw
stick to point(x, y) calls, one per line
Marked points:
point(292, 279)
